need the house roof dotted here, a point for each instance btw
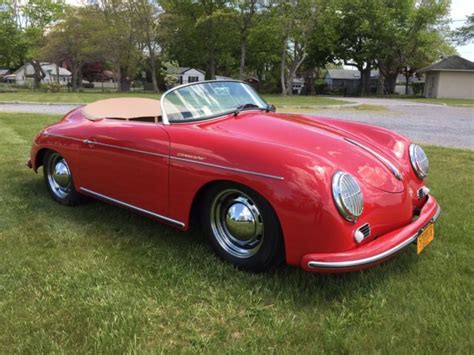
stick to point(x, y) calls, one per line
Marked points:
point(344, 74)
point(453, 63)
point(182, 70)
point(4, 72)
point(46, 67)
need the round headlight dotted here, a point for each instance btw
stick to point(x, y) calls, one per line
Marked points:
point(347, 196)
point(419, 161)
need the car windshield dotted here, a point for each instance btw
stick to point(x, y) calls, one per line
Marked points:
point(209, 99)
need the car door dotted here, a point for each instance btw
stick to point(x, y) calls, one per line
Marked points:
point(126, 161)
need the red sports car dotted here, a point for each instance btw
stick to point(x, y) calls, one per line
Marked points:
point(327, 195)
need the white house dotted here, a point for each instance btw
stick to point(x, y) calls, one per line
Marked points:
point(452, 78)
point(24, 75)
point(297, 85)
point(190, 75)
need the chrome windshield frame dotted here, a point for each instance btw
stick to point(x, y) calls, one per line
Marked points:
point(164, 116)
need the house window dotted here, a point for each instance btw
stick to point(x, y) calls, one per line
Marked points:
point(193, 79)
point(180, 79)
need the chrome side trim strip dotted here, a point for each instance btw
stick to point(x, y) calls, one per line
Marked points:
point(60, 136)
point(125, 148)
point(385, 161)
point(124, 204)
point(237, 170)
point(229, 168)
point(375, 258)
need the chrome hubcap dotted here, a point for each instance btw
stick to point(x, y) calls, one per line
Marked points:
point(59, 176)
point(237, 223)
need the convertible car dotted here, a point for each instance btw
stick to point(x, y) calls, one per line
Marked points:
point(327, 195)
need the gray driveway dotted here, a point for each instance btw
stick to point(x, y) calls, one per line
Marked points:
point(423, 123)
point(37, 108)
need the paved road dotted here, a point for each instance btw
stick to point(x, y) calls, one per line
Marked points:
point(423, 123)
point(37, 108)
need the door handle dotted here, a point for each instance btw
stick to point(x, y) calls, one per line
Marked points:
point(88, 142)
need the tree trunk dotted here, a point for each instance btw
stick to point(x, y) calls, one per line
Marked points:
point(289, 84)
point(38, 74)
point(392, 82)
point(296, 65)
point(124, 85)
point(243, 50)
point(153, 76)
point(380, 84)
point(153, 67)
point(74, 76)
point(211, 65)
point(407, 76)
point(57, 73)
point(365, 80)
point(283, 69)
point(79, 77)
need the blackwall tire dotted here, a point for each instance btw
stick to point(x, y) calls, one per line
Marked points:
point(59, 180)
point(242, 227)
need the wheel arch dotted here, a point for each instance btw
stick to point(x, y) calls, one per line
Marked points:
point(40, 157)
point(199, 196)
point(198, 200)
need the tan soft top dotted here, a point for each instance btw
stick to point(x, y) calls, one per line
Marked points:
point(125, 108)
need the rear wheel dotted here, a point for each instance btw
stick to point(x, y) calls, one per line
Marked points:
point(242, 227)
point(59, 180)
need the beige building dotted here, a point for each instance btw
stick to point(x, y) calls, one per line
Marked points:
point(452, 78)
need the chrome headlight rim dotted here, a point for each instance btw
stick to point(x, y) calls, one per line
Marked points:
point(415, 163)
point(350, 214)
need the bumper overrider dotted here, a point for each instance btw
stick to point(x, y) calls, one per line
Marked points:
point(376, 251)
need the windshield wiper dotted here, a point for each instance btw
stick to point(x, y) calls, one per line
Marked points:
point(239, 108)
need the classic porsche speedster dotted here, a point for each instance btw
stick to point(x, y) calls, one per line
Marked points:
point(327, 195)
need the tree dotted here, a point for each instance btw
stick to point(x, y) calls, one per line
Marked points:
point(22, 32)
point(13, 48)
point(201, 34)
point(296, 20)
point(146, 19)
point(34, 19)
point(77, 39)
point(412, 38)
point(244, 16)
point(358, 26)
point(119, 40)
point(322, 44)
point(465, 34)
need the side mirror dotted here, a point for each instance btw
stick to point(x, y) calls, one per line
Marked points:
point(271, 108)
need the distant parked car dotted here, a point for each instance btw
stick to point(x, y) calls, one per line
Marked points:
point(327, 195)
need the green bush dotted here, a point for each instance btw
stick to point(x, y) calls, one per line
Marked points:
point(51, 87)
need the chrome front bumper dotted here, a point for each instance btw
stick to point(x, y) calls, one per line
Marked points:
point(377, 250)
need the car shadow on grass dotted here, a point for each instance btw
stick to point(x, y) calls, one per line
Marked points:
point(149, 247)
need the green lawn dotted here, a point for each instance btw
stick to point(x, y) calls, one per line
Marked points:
point(91, 96)
point(99, 279)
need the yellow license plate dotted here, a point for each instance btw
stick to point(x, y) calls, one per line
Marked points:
point(425, 238)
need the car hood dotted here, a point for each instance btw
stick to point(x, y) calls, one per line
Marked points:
point(344, 149)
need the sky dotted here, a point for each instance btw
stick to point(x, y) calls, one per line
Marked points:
point(459, 10)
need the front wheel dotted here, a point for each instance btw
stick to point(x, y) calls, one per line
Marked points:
point(242, 227)
point(59, 180)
